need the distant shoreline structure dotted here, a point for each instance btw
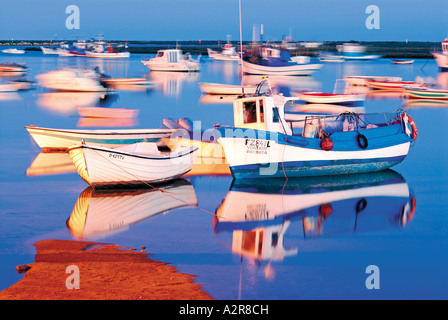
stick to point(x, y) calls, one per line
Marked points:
point(387, 49)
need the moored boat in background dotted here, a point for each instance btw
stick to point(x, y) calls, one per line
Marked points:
point(49, 139)
point(172, 60)
point(273, 61)
point(441, 57)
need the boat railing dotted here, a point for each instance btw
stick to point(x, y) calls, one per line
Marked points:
point(325, 125)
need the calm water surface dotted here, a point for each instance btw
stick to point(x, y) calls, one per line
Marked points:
point(325, 233)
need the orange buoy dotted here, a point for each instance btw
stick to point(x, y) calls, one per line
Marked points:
point(326, 144)
point(414, 128)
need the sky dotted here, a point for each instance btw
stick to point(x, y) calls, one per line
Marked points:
point(311, 20)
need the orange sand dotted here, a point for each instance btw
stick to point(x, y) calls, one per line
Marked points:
point(105, 273)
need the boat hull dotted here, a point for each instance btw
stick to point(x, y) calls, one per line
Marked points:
point(265, 155)
point(57, 139)
point(172, 66)
point(332, 98)
point(108, 55)
point(422, 93)
point(441, 60)
point(106, 167)
point(292, 70)
point(217, 88)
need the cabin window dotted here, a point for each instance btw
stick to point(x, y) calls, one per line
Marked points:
point(173, 56)
point(261, 111)
point(250, 112)
point(275, 115)
point(160, 54)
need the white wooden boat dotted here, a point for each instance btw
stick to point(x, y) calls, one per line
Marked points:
point(108, 55)
point(332, 98)
point(362, 80)
point(172, 60)
point(13, 51)
point(441, 57)
point(263, 145)
point(49, 139)
point(47, 50)
point(102, 50)
point(99, 213)
point(402, 61)
point(226, 89)
point(387, 85)
point(136, 164)
point(126, 81)
point(426, 92)
point(99, 112)
point(228, 53)
point(79, 80)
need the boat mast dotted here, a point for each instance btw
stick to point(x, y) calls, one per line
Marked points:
point(241, 49)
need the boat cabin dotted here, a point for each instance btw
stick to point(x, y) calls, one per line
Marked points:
point(169, 55)
point(261, 113)
point(445, 46)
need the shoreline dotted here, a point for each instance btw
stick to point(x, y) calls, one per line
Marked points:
point(106, 272)
point(388, 49)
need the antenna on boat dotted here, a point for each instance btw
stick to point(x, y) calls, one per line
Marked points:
point(241, 49)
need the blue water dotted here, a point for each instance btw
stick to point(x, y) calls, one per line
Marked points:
point(410, 254)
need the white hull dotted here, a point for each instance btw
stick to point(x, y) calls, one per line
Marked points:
point(182, 66)
point(217, 88)
point(63, 80)
point(49, 51)
point(97, 213)
point(441, 59)
point(60, 139)
point(222, 57)
point(238, 154)
point(293, 70)
point(98, 112)
point(108, 55)
point(362, 80)
point(332, 99)
point(100, 166)
point(13, 51)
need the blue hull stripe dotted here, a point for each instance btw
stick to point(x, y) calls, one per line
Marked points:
point(313, 168)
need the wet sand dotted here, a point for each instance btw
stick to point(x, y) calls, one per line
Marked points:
point(106, 272)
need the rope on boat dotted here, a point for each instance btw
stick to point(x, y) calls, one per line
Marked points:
point(169, 193)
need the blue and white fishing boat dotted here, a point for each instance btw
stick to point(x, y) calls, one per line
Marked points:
point(273, 61)
point(262, 144)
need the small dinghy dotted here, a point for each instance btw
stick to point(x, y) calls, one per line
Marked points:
point(332, 98)
point(135, 164)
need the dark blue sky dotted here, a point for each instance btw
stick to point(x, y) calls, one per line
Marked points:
point(317, 20)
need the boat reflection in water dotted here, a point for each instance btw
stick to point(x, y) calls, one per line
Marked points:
point(259, 211)
point(50, 163)
point(67, 103)
point(170, 83)
point(98, 213)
